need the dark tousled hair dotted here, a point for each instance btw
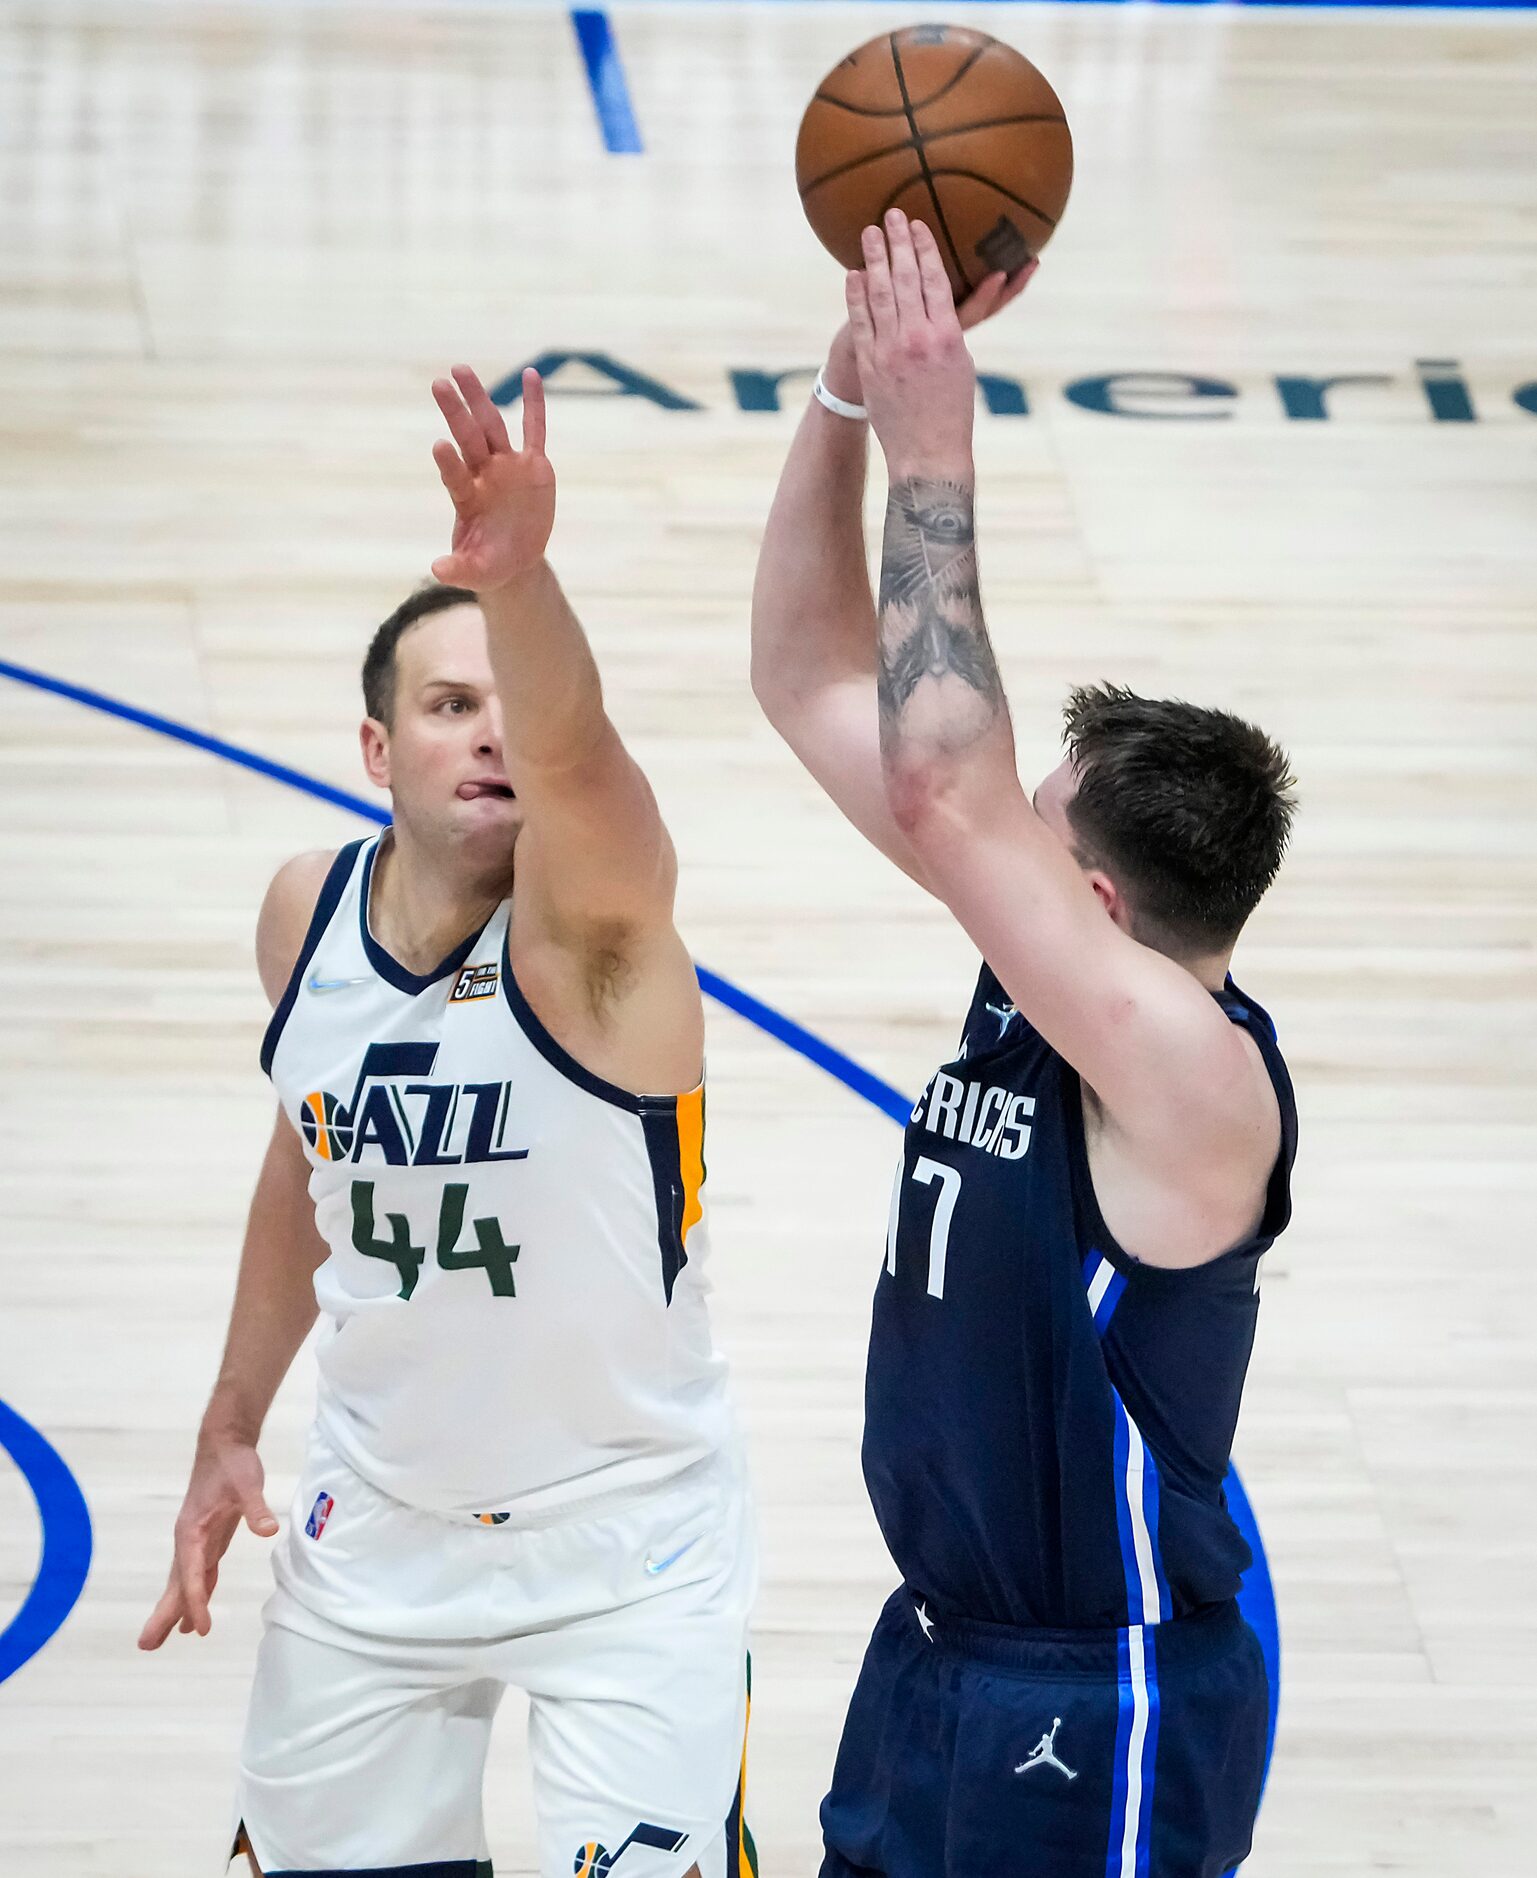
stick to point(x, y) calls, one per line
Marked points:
point(379, 661)
point(1188, 809)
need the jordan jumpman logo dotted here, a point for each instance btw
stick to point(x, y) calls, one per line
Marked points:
point(1043, 1754)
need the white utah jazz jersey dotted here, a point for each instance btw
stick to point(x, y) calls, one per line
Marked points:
point(515, 1296)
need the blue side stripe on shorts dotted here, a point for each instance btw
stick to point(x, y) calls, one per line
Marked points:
point(1122, 1749)
point(1129, 1852)
point(1149, 1752)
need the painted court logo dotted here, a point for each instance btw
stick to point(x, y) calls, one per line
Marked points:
point(595, 1861)
point(320, 1512)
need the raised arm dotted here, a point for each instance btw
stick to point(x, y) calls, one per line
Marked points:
point(1168, 1067)
point(594, 849)
point(813, 613)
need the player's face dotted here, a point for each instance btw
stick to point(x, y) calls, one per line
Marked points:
point(1051, 801)
point(443, 753)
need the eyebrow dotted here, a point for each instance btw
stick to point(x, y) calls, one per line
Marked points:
point(449, 684)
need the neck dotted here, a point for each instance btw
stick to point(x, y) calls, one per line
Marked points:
point(1213, 971)
point(423, 902)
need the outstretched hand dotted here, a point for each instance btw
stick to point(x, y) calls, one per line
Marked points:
point(226, 1487)
point(504, 499)
point(916, 375)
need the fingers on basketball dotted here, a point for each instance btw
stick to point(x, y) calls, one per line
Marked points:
point(938, 300)
point(878, 293)
point(856, 300)
point(906, 276)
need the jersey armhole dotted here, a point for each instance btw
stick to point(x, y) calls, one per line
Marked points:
point(329, 898)
point(1277, 1211)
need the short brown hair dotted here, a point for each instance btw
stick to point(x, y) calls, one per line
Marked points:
point(379, 661)
point(1189, 809)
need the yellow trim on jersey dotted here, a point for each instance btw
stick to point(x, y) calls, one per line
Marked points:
point(691, 1156)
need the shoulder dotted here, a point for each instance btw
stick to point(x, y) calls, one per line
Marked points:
point(286, 911)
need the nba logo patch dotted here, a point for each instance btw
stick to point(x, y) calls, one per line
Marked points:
point(476, 981)
point(320, 1512)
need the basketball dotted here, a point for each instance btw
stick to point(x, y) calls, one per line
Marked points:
point(954, 128)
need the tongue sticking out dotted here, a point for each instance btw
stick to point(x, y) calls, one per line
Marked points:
point(473, 791)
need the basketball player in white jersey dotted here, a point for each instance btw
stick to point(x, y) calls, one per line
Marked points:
point(486, 1176)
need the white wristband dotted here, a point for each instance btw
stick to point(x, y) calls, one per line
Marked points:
point(840, 407)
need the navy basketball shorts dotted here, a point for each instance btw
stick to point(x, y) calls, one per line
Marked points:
point(976, 1751)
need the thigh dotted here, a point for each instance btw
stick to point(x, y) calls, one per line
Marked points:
point(1209, 1768)
point(356, 1762)
point(638, 1714)
point(885, 1812)
point(1152, 1772)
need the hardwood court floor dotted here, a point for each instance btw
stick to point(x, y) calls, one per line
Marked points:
point(235, 243)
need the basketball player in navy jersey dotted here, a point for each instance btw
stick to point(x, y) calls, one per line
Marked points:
point(486, 1171)
point(1063, 1684)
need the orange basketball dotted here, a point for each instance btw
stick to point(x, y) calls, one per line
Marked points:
point(957, 130)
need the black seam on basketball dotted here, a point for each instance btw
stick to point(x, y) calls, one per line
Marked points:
point(923, 161)
point(869, 110)
point(930, 136)
point(953, 80)
point(971, 176)
point(855, 110)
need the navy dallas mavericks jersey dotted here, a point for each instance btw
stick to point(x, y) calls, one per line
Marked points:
point(1049, 1421)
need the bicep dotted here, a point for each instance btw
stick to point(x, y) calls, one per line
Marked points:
point(594, 849)
point(284, 919)
point(835, 732)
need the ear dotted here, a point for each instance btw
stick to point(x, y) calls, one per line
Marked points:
point(374, 741)
point(1111, 898)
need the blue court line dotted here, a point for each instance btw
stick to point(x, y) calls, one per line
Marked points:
point(605, 74)
point(784, 1029)
point(199, 739)
point(66, 1524)
point(66, 1559)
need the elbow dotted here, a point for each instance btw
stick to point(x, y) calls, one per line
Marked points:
point(763, 688)
point(926, 803)
point(775, 696)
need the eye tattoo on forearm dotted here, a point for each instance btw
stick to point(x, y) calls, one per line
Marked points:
point(931, 603)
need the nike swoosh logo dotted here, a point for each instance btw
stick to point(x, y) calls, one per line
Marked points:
point(334, 984)
point(658, 1565)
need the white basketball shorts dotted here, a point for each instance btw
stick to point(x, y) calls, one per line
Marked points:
point(393, 1633)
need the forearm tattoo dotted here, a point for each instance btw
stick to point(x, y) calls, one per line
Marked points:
point(931, 626)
